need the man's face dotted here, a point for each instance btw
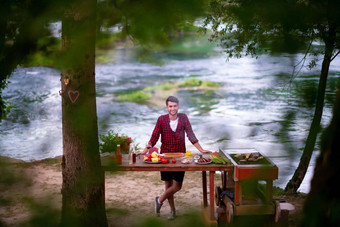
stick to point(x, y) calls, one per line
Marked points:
point(172, 108)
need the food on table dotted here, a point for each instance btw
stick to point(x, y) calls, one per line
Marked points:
point(249, 158)
point(203, 160)
point(186, 161)
point(215, 154)
point(188, 154)
point(147, 158)
point(173, 161)
point(163, 160)
point(155, 159)
point(218, 159)
point(173, 155)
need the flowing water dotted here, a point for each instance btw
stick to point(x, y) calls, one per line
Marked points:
point(260, 104)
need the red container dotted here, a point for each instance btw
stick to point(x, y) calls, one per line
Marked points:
point(246, 168)
point(250, 164)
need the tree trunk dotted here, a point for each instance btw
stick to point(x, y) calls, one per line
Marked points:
point(322, 205)
point(83, 194)
point(295, 182)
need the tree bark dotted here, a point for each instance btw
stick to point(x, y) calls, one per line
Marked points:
point(83, 194)
point(295, 182)
point(322, 205)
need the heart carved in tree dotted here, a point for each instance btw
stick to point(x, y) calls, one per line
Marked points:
point(73, 95)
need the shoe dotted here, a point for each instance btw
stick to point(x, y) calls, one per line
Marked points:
point(172, 215)
point(158, 206)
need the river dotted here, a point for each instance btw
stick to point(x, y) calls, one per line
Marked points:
point(259, 105)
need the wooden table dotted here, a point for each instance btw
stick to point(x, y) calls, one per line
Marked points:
point(208, 209)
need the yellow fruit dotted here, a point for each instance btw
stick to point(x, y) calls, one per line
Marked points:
point(188, 154)
point(155, 159)
point(154, 154)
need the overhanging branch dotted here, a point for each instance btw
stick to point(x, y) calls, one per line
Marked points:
point(335, 55)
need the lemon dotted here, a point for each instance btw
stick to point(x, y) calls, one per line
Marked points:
point(188, 154)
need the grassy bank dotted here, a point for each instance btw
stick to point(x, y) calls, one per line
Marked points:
point(165, 89)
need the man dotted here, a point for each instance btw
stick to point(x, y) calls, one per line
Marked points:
point(172, 128)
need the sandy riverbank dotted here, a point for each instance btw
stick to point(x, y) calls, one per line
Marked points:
point(30, 191)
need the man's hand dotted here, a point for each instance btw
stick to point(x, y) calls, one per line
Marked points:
point(198, 146)
point(143, 152)
point(206, 152)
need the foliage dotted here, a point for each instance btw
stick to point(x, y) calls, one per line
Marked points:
point(193, 82)
point(165, 87)
point(46, 54)
point(111, 140)
point(106, 39)
point(185, 42)
point(137, 96)
point(250, 27)
point(23, 24)
point(25, 32)
point(323, 201)
point(149, 22)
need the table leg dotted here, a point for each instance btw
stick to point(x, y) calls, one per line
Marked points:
point(212, 196)
point(269, 191)
point(238, 192)
point(224, 180)
point(204, 187)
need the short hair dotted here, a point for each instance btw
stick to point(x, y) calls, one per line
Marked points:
point(171, 99)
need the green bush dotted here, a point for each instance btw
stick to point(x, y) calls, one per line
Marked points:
point(137, 96)
point(111, 140)
point(147, 93)
point(193, 82)
point(206, 84)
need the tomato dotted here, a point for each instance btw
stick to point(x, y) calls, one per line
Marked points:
point(164, 161)
point(149, 156)
point(216, 154)
point(173, 160)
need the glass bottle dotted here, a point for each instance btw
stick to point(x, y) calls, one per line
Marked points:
point(134, 155)
point(118, 155)
point(131, 153)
